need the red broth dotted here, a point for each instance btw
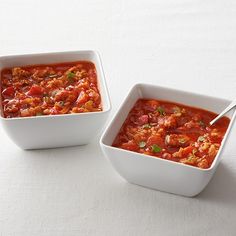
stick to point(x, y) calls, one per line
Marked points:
point(172, 131)
point(52, 89)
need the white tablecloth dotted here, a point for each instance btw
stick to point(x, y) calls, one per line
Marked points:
point(186, 44)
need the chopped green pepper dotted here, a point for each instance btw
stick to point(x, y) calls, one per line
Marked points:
point(161, 111)
point(156, 148)
point(70, 77)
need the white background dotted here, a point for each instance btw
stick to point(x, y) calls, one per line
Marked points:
point(185, 44)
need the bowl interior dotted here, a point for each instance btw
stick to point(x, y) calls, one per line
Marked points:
point(60, 57)
point(160, 93)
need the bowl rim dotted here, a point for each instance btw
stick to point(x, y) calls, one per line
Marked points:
point(138, 85)
point(102, 80)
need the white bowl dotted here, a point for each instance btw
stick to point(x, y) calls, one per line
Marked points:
point(154, 172)
point(59, 130)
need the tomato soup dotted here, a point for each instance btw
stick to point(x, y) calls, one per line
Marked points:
point(173, 132)
point(54, 89)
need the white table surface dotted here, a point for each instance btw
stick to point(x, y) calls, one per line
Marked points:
point(186, 44)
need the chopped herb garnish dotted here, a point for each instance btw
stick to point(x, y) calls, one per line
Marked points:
point(142, 144)
point(146, 126)
point(156, 148)
point(201, 139)
point(39, 114)
point(70, 75)
point(161, 111)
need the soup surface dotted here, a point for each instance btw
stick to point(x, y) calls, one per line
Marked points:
point(52, 89)
point(172, 131)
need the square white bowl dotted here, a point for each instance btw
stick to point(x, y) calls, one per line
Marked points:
point(57, 130)
point(157, 173)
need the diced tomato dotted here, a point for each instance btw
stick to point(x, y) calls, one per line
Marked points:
point(155, 139)
point(8, 92)
point(61, 95)
point(35, 90)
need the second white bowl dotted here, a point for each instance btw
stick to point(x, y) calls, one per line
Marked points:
point(157, 173)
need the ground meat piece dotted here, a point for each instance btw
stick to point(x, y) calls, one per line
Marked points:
point(64, 95)
point(11, 108)
point(168, 121)
point(203, 163)
point(42, 73)
point(19, 72)
point(183, 152)
point(212, 151)
point(190, 160)
point(191, 124)
point(204, 146)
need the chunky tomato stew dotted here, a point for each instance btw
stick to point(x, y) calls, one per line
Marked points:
point(50, 89)
point(172, 131)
